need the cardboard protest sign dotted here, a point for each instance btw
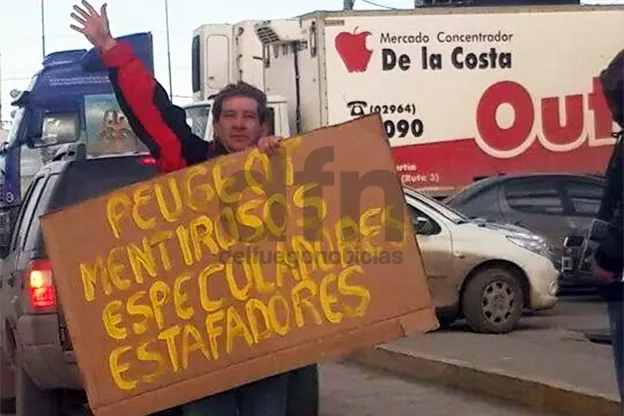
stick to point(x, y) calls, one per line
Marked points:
point(242, 267)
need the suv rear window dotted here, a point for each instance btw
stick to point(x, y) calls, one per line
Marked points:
point(585, 196)
point(534, 196)
point(87, 179)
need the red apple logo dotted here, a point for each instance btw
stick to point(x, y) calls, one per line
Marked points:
point(352, 50)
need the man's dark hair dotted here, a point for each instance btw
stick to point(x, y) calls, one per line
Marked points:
point(240, 89)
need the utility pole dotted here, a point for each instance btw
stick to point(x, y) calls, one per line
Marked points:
point(43, 31)
point(168, 49)
point(348, 4)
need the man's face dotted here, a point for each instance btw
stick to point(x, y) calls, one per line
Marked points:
point(239, 125)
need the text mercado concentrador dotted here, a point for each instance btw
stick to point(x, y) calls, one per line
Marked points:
point(150, 281)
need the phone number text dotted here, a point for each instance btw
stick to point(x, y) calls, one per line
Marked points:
point(401, 128)
point(393, 108)
point(359, 108)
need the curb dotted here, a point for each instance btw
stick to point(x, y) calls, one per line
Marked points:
point(546, 396)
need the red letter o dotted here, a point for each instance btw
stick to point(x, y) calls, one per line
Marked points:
point(494, 137)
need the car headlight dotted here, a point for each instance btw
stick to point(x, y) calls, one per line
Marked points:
point(533, 243)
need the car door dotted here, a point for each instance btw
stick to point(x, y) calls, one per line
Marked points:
point(584, 197)
point(436, 248)
point(537, 204)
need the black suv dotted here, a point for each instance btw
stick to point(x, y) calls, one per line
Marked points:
point(551, 204)
point(34, 333)
point(35, 336)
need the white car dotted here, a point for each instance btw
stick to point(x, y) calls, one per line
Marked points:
point(487, 272)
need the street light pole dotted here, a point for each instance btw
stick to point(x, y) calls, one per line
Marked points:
point(43, 31)
point(168, 49)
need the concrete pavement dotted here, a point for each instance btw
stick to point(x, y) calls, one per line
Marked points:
point(547, 363)
point(348, 390)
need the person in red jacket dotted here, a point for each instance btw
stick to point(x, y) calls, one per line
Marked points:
point(240, 122)
point(162, 125)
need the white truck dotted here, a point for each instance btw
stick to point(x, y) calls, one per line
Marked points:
point(224, 54)
point(464, 92)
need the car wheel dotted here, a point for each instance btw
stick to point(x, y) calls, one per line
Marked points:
point(30, 400)
point(493, 301)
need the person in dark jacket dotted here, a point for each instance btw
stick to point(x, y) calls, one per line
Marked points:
point(608, 264)
point(240, 122)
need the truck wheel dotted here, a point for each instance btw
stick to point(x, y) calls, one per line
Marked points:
point(303, 392)
point(493, 302)
point(32, 401)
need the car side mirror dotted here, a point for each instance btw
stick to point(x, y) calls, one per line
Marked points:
point(423, 226)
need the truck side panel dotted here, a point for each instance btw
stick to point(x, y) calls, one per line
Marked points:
point(292, 71)
point(475, 94)
point(213, 59)
point(280, 77)
point(248, 55)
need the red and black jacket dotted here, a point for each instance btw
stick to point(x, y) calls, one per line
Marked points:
point(159, 124)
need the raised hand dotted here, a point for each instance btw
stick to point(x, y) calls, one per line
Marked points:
point(94, 26)
point(269, 144)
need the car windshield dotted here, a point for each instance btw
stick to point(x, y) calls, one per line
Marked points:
point(467, 191)
point(197, 118)
point(107, 129)
point(447, 212)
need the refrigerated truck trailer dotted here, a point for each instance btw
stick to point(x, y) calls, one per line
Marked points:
point(464, 93)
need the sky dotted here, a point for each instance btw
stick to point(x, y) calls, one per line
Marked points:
point(21, 31)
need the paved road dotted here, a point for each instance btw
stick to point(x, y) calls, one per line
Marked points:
point(349, 390)
point(574, 312)
point(578, 312)
point(353, 391)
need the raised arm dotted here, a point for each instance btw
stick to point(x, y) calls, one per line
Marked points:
point(153, 117)
point(155, 120)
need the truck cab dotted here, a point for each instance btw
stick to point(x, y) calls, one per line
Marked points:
point(70, 100)
point(223, 54)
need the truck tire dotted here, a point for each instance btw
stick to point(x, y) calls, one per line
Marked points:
point(493, 300)
point(30, 400)
point(303, 392)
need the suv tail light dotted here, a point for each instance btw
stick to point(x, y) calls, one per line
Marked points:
point(40, 287)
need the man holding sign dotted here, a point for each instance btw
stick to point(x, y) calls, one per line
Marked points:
point(240, 122)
